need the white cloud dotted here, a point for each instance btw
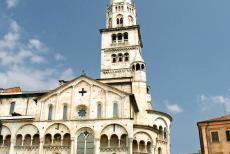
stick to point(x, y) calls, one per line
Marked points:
point(174, 108)
point(209, 102)
point(59, 57)
point(24, 63)
point(11, 3)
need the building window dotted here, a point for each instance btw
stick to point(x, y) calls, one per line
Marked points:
point(82, 113)
point(126, 36)
point(115, 110)
point(50, 112)
point(114, 38)
point(215, 136)
point(119, 37)
point(98, 110)
point(12, 106)
point(159, 151)
point(65, 109)
point(85, 143)
point(114, 58)
point(126, 57)
point(120, 57)
point(228, 135)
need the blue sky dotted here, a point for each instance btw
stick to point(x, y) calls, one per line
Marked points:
point(186, 48)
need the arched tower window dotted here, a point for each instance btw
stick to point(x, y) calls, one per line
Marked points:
point(99, 111)
point(126, 57)
point(120, 57)
point(142, 66)
point(159, 151)
point(110, 23)
point(115, 110)
point(57, 139)
point(27, 140)
point(133, 67)
point(114, 38)
point(66, 140)
point(19, 140)
point(12, 106)
point(7, 141)
point(1, 140)
point(48, 139)
point(65, 110)
point(119, 37)
point(138, 67)
point(119, 20)
point(114, 58)
point(114, 141)
point(104, 141)
point(126, 36)
point(130, 18)
point(36, 139)
point(50, 112)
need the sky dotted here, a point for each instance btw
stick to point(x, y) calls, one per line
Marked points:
point(186, 49)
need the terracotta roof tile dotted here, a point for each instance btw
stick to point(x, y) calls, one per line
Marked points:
point(222, 118)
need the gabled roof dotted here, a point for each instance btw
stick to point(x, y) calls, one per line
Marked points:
point(82, 76)
point(218, 119)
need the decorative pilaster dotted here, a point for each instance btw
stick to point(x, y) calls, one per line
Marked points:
point(12, 144)
point(41, 146)
point(130, 146)
point(97, 146)
point(73, 150)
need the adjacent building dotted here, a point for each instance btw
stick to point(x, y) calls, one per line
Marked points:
point(110, 115)
point(215, 135)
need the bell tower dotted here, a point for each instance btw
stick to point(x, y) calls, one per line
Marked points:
point(121, 40)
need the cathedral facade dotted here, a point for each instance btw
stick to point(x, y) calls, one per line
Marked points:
point(110, 115)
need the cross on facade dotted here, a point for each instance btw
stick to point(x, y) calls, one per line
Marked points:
point(82, 92)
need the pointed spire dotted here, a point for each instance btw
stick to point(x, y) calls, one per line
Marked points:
point(138, 58)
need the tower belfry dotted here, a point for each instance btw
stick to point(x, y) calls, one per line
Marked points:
point(121, 40)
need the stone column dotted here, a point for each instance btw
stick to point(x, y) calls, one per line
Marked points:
point(97, 146)
point(73, 150)
point(130, 149)
point(12, 144)
point(41, 146)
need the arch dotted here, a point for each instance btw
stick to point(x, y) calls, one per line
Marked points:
point(7, 141)
point(104, 141)
point(133, 67)
point(57, 139)
point(48, 139)
point(27, 140)
point(142, 146)
point(149, 147)
point(114, 38)
point(161, 120)
point(85, 142)
point(67, 139)
point(119, 37)
point(126, 55)
point(159, 150)
point(27, 129)
point(131, 21)
point(135, 146)
point(126, 36)
point(123, 141)
point(138, 67)
point(142, 66)
point(110, 22)
point(161, 130)
point(119, 20)
point(114, 58)
point(120, 57)
point(19, 140)
point(111, 129)
point(155, 127)
point(36, 140)
point(114, 141)
point(57, 128)
point(143, 136)
point(5, 131)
